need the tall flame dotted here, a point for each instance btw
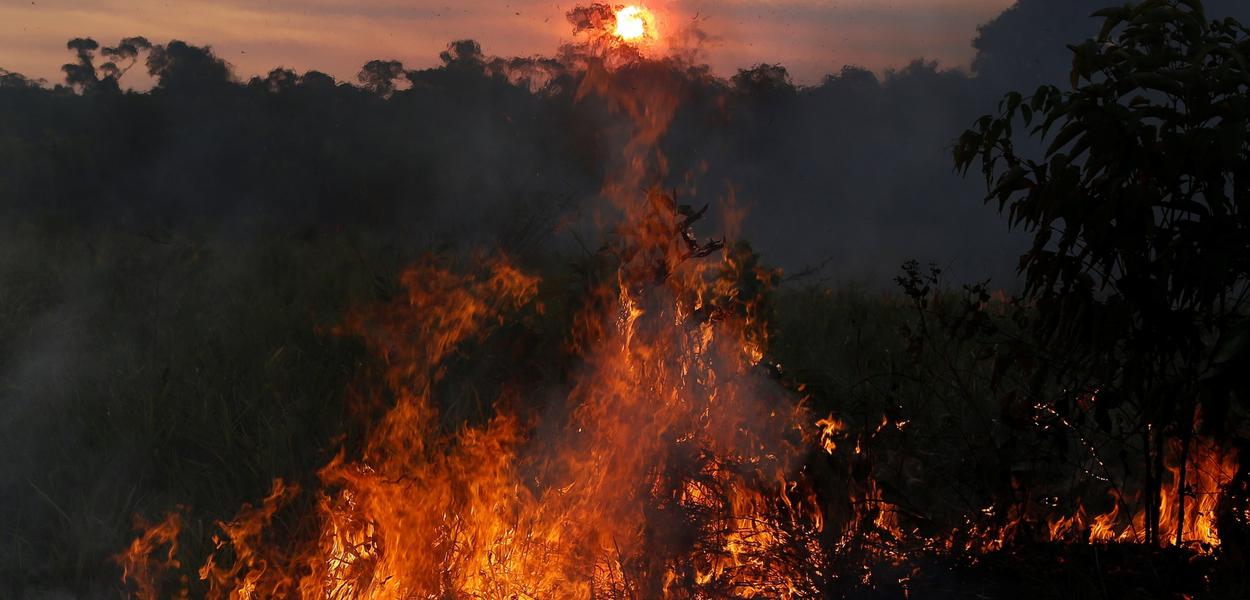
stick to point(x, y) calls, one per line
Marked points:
point(670, 465)
point(673, 474)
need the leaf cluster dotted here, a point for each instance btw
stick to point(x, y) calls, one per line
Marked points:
point(1140, 205)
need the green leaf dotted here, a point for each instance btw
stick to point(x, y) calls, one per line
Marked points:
point(1066, 135)
point(1114, 16)
point(1157, 81)
point(1232, 343)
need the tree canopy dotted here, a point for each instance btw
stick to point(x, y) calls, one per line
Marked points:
point(1139, 210)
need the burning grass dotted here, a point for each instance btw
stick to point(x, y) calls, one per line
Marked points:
point(671, 454)
point(674, 459)
point(678, 466)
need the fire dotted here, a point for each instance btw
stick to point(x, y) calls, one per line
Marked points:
point(674, 469)
point(675, 465)
point(144, 562)
point(634, 23)
point(674, 473)
point(1189, 511)
point(829, 428)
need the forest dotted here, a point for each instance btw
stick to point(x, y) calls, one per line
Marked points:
point(602, 324)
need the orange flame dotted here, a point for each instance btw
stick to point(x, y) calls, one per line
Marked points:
point(1208, 470)
point(674, 474)
point(673, 469)
point(142, 562)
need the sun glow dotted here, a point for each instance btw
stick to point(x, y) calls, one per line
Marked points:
point(634, 23)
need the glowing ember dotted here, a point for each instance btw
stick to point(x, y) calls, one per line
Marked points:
point(634, 23)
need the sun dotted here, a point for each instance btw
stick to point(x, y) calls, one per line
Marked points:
point(634, 23)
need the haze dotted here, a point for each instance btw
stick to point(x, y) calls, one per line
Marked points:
point(811, 37)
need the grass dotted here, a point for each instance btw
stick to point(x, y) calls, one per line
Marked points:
point(141, 370)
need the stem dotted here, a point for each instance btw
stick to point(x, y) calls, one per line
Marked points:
point(1186, 436)
point(1151, 498)
point(1156, 498)
point(1180, 493)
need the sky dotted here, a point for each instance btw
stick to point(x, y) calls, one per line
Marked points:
point(810, 37)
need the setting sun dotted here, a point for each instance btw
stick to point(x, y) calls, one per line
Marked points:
point(634, 23)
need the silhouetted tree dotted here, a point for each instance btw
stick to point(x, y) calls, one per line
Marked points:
point(593, 17)
point(179, 65)
point(81, 75)
point(9, 79)
point(316, 80)
point(378, 76)
point(1140, 216)
point(462, 53)
point(125, 51)
point(277, 81)
point(764, 81)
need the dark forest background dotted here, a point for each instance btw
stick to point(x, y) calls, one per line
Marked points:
point(854, 170)
point(171, 258)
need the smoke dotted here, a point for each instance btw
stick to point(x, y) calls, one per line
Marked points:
point(852, 175)
point(49, 358)
point(843, 180)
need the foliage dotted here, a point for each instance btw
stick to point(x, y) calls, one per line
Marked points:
point(1140, 216)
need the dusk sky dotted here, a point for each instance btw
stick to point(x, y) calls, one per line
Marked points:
point(810, 37)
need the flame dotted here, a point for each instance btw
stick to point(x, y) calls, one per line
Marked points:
point(634, 23)
point(672, 475)
point(143, 562)
point(829, 428)
point(673, 471)
point(673, 467)
point(1207, 471)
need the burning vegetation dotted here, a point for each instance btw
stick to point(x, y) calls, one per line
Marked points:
point(659, 448)
point(673, 465)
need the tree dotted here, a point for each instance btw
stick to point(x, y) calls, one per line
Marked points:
point(126, 51)
point(1140, 216)
point(11, 80)
point(463, 53)
point(764, 81)
point(81, 74)
point(378, 76)
point(277, 81)
point(85, 76)
point(181, 66)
